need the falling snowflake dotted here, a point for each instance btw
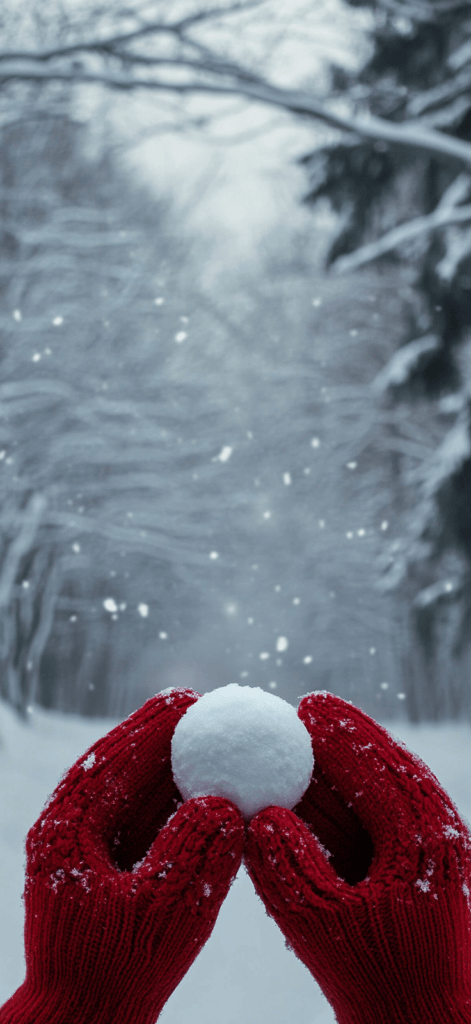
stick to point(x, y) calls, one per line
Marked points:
point(224, 454)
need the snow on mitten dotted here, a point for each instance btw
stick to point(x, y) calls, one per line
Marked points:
point(123, 885)
point(373, 893)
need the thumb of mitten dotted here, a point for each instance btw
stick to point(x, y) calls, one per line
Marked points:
point(312, 905)
point(196, 855)
point(184, 879)
point(288, 865)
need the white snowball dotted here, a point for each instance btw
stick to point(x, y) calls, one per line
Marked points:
point(243, 744)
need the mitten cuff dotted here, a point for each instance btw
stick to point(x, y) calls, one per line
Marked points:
point(430, 1012)
point(27, 1006)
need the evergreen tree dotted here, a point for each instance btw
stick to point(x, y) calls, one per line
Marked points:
point(405, 205)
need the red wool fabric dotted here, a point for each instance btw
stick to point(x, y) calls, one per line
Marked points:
point(370, 879)
point(123, 885)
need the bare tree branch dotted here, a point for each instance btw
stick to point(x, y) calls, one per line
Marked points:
point(111, 44)
point(229, 80)
point(448, 116)
point(442, 93)
point(440, 218)
point(420, 10)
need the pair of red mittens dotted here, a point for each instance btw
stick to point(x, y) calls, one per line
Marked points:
point(369, 880)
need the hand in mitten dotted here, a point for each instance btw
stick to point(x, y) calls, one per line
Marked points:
point(123, 885)
point(378, 905)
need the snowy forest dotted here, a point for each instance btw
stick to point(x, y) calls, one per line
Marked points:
point(235, 425)
point(235, 448)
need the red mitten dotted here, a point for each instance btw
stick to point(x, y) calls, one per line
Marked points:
point(120, 897)
point(378, 906)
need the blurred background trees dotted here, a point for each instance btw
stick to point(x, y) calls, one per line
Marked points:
point(411, 210)
point(87, 415)
point(255, 474)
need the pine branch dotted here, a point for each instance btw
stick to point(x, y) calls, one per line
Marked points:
point(440, 218)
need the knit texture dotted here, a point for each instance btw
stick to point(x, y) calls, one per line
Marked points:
point(369, 876)
point(123, 885)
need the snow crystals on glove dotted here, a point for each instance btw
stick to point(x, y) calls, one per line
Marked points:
point(244, 744)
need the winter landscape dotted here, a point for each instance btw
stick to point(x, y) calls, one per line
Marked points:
point(245, 972)
point(235, 397)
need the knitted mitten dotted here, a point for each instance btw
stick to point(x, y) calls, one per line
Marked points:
point(372, 889)
point(123, 885)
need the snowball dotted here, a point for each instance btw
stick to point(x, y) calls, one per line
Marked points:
point(244, 744)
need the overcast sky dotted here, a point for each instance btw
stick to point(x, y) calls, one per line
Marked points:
point(238, 178)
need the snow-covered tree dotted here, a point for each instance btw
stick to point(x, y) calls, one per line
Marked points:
point(89, 419)
point(398, 174)
point(410, 205)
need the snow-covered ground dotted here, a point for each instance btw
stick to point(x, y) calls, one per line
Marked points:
point(245, 973)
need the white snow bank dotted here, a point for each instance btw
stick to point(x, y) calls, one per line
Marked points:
point(244, 973)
